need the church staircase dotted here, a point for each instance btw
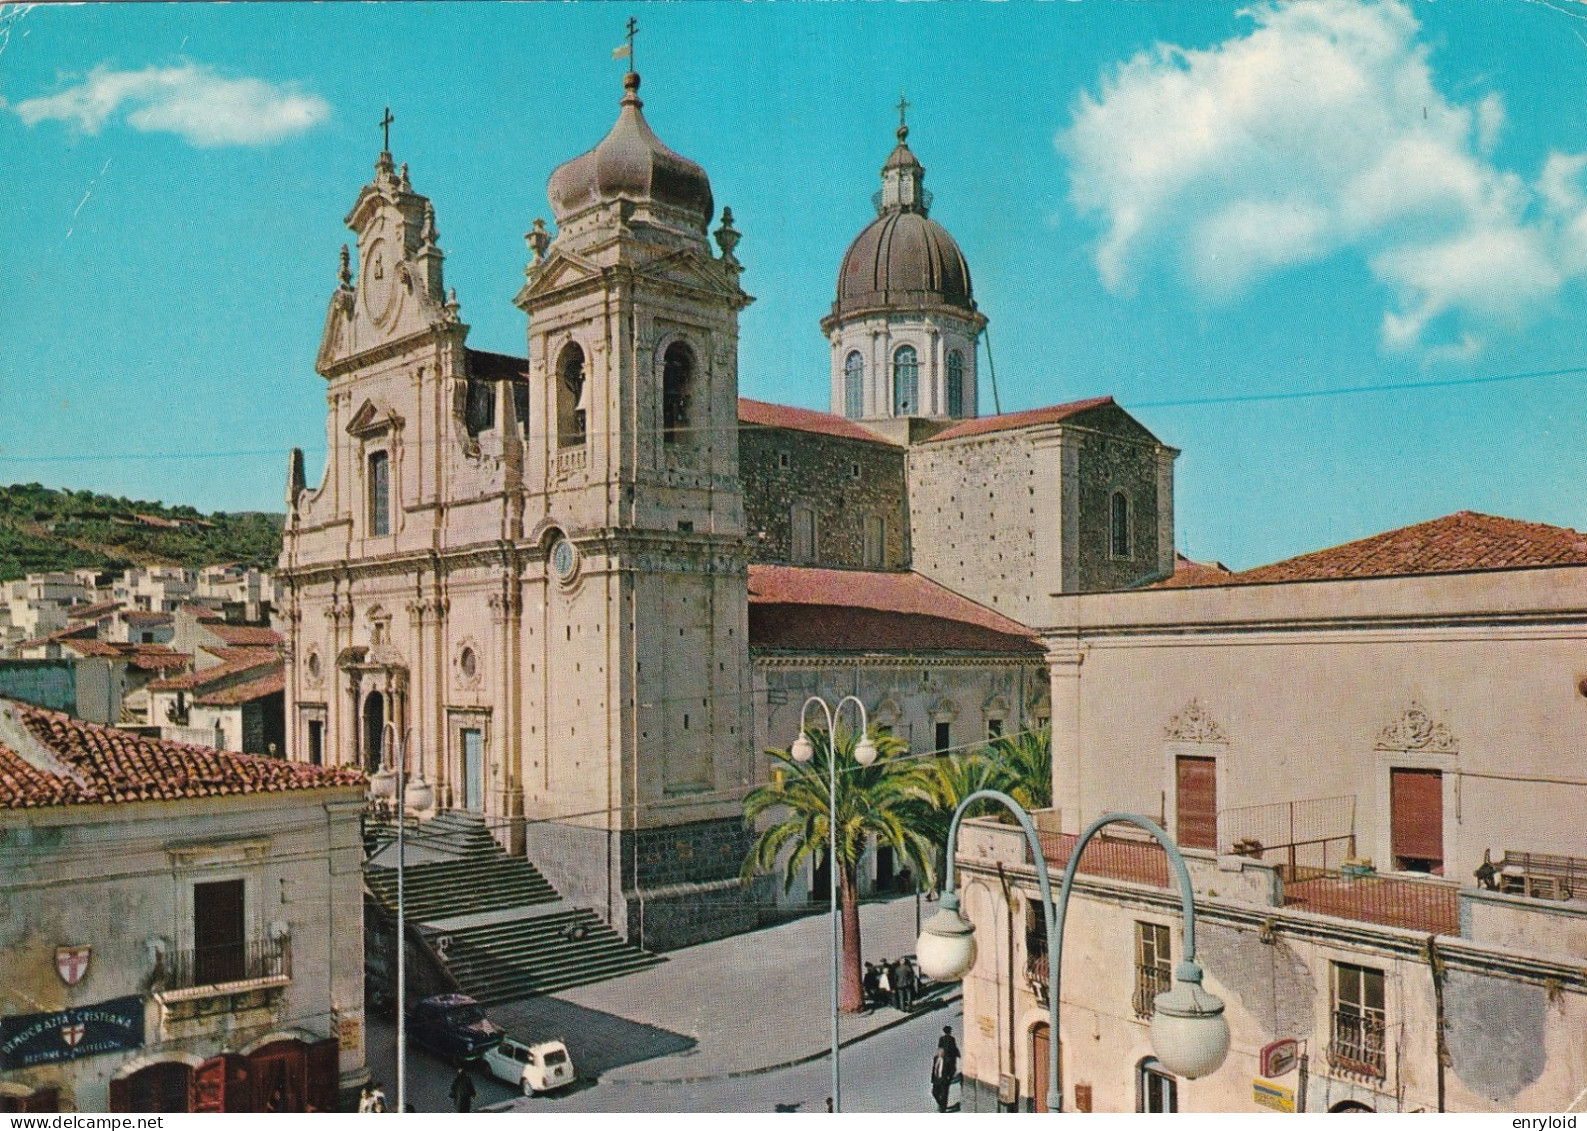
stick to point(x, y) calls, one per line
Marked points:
point(499, 926)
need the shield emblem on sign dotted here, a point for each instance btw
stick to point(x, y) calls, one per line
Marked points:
point(71, 963)
point(73, 1034)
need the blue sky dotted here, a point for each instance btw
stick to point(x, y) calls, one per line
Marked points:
point(1170, 203)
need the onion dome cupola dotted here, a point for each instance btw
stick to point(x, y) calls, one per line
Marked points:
point(631, 166)
point(904, 325)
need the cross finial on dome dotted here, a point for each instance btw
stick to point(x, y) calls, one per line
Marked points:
point(385, 130)
point(903, 125)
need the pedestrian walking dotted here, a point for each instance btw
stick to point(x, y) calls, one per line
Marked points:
point(871, 984)
point(895, 979)
point(907, 983)
point(463, 1090)
point(944, 1067)
point(372, 1099)
point(884, 984)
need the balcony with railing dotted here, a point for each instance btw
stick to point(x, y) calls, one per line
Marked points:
point(243, 967)
point(1358, 1044)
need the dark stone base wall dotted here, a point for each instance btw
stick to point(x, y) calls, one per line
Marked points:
point(662, 888)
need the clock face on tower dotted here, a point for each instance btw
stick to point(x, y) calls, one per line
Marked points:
point(564, 560)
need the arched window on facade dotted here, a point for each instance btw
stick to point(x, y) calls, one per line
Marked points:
point(1119, 525)
point(677, 380)
point(955, 383)
point(906, 381)
point(572, 396)
point(374, 730)
point(854, 386)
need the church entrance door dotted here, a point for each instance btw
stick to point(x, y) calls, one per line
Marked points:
point(473, 770)
point(374, 730)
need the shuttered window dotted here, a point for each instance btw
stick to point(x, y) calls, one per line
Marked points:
point(1196, 802)
point(1416, 816)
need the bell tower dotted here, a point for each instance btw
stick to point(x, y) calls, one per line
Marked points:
point(637, 559)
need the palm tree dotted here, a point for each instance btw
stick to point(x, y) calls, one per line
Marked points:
point(939, 784)
point(1027, 756)
point(872, 801)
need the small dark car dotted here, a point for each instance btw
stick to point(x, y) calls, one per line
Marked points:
point(453, 1027)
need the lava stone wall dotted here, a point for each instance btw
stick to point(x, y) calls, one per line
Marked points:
point(844, 480)
point(1116, 454)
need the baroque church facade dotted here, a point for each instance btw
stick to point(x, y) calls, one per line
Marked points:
point(592, 583)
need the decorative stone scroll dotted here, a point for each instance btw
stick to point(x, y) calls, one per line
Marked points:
point(1418, 730)
point(1193, 724)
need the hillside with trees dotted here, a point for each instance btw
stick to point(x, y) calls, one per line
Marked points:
point(42, 529)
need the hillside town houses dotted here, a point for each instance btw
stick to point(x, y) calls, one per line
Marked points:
point(583, 590)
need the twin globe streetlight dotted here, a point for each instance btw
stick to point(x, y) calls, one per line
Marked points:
point(864, 753)
point(1189, 1034)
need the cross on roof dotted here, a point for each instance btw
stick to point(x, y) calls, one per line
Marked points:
point(903, 108)
point(385, 130)
point(633, 30)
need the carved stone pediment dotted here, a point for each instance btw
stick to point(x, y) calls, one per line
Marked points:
point(1417, 730)
point(562, 269)
point(690, 269)
point(1194, 724)
point(371, 419)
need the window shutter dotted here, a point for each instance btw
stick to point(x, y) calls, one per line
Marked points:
point(1416, 807)
point(1197, 802)
point(324, 1073)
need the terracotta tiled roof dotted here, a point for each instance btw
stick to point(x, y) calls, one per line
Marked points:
point(273, 682)
point(233, 662)
point(1188, 574)
point(1464, 542)
point(244, 635)
point(89, 764)
point(497, 366)
point(804, 420)
point(135, 616)
point(200, 611)
point(92, 612)
point(799, 609)
point(62, 635)
point(1052, 414)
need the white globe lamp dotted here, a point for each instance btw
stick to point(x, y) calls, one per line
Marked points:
point(803, 748)
point(1189, 1033)
point(865, 750)
point(945, 950)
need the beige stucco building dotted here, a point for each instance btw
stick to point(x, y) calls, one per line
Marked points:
point(182, 927)
point(1338, 742)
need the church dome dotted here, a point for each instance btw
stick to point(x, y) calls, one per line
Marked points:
point(630, 163)
point(903, 259)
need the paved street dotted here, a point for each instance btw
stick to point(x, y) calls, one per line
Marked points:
point(734, 1025)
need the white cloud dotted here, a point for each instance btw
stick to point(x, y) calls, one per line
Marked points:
point(190, 100)
point(1320, 131)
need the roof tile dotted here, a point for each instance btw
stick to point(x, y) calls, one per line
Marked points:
point(805, 420)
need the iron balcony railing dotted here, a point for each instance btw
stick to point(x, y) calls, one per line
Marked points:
point(235, 962)
point(1358, 1044)
point(1151, 979)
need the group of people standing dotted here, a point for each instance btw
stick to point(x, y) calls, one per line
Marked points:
point(894, 982)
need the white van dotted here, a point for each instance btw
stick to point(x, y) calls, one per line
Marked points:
point(541, 1067)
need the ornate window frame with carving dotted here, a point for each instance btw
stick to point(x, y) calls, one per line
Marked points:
point(1193, 732)
point(1415, 739)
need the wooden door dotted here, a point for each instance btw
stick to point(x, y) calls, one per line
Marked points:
point(218, 941)
point(1416, 819)
point(1196, 802)
point(1040, 1054)
point(473, 770)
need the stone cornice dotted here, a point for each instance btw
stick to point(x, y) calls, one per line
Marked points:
point(771, 658)
point(1066, 638)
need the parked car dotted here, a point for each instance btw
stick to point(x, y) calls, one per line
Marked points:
point(535, 1068)
point(453, 1026)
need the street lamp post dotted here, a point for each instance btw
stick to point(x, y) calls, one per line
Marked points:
point(384, 784)
point(864, 753)
point(1189, 1034)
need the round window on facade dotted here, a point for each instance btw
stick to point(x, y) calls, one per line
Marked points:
point(314, 666)
point(564, 560)
point(468, 663)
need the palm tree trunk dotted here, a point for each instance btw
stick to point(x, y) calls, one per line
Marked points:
point(850, 998)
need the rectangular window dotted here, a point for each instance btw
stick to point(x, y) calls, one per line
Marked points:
point(473, 769)
point(219, 942)
point(379, 493)
point(480, 411)
point(994, 728)
point(1196, 802)
point(316, 742)
point(875, 540)
point(804, 535)
point(944, 744)
point(1159, 1092)
point(1359, 1021)
point(1416, 818)
point(1153, 968)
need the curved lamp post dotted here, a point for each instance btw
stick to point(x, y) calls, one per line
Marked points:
point(1189, 1034)
point(864, 753)
point(385, 785)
